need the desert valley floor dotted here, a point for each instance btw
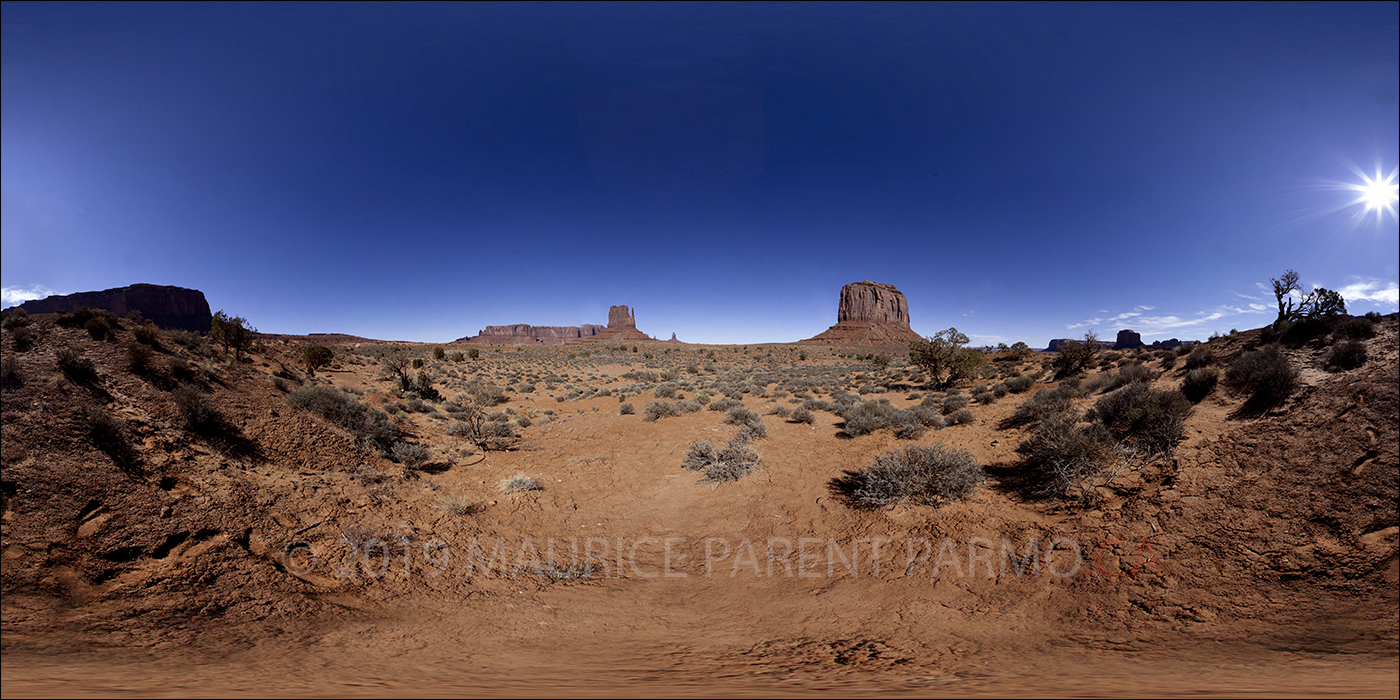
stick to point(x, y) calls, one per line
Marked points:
point(282, 553)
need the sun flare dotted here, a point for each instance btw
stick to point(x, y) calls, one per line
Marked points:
point(1378, 194)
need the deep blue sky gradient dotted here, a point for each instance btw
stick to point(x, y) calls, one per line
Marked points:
point(419, 171)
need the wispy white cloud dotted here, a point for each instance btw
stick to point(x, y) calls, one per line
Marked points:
point(14, 296)
point(1383, 292)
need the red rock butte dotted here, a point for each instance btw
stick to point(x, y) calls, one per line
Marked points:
point(622, 327)
point(869, 314)
point(167, 307)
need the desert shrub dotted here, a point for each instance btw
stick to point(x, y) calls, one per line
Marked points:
point(920, 475)
point(1076, 356)
point(1019, 385)
point(776, 410)
point(78, 318)
point(666, 391)
point(1199, 383)
point(736, 460)
point(197, 411)
point(1125, 375)
point(867, 417)
point(345, 411)
point(482, 393)
point(986, 397)
point(109, 434)
point(138, 358)
point(954, 403)
point(314, 357)
point(1356, 328)
point(409, 454)
point(232, 332)
point(820, 405)
point(659, 409)
point(1265, 375)
point(186, 339)
point(75, 366)
point(518, 483)
point(909, 431)
point(9, 370)
point(439, 353)
point(1000, 390)
point(688, 406)
point(473, 353)
point(98, 329)
point(1168, 361)
point(724, 404)
point(944, 358)
point(626, 409)
point(1151, 420)
point(1062, 457)
point(702, 398)
point(22, 338)
point(17, 318)
point(1201, 356)
point(1348, 354)
point(803, 415)
point(148, 334)
point(923, 415)
point(961, 417)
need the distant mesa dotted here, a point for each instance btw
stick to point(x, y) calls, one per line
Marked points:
point(870, 314)
point(1128, 340)
point(622, 326)
point(168, 307)
point(673, 340)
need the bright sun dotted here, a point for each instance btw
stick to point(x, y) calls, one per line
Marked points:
point(1378, 194)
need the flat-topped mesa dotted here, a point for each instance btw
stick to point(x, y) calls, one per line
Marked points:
point(874, 302)
point(168, 307)
point(526, 334)
point(621, 317)
point(1127, 340)
point(869, 314)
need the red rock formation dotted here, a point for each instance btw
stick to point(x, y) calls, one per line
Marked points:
point(1127, 340)
point(621, 317)
point(168, 307)
point(869, 314)
point(526, 334)
point(622, 328)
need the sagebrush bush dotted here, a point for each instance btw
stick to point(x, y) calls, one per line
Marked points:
point(9, 369)
point(196, 411)
point(985, 397)
point(1042, 403)
point(626, 409)
point(867, 417)
point(803, 415)
point(148, 334)
point(955, 403)
point(1201, 356)
point(1266, 376)
point(107, 431)
point(1150, 419)
point(409, 454)
point(909, 431)
point(736, 460)
point(920, 475)
point(659, 409)
point(1348, 354)
point(724, 404)
point(1019, 385)
point(961, 417)
point(1124, 376)
point(75, 366)
point(344, 410)
point(138, 358)
point(1062, 457)
point(518, 483)
point(1356, 328)
point(1199, 383)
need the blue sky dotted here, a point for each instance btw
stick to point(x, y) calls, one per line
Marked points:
point(419, 171)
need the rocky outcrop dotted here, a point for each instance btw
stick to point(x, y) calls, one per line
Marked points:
point(1059, 343)
point(168, 307)
point(1128, 340)
point(622, 327)
point(673, 340)
point(869, 314)
point(526, 334)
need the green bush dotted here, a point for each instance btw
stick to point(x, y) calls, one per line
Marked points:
point(344, 410)
point(1266, 376)
point(1075, 357)
point(1199, 383)
point(1346, 355)
point(1201, 356)
point(919, 475)
point(314, 357)
point(1151, 420)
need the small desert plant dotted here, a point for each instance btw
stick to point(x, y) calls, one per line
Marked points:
point(724, 404)
point(1348, 354)
point(456, 505)
point(520, 482)
point(458, 356)
point(76, 367)
point(9, 369)
point(1063, 458)
point(1201, 356)
point(803, 415)
point(314, 357)
point(1021, 384)
point(961, 417)
point(659, 409)
point(344, 410)
point(867, 417)
point(138, 358)
point(1265, 375)
point(954, 403)
point(409, 454)
point(626, 409)
point(197, 411)
point(1199, 383)
point(1357, 328)
point(16, 319)
point(109, 435)
point(439, 353)
point(920, 475)
point(731, 463)
point(909, 431)
point(1151, 420)
point(97, 328)
point(148, 334)
point(986, 397)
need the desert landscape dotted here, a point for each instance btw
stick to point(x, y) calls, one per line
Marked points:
point(183, 517)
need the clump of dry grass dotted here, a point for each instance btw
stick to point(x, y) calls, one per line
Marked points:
point(519, 482)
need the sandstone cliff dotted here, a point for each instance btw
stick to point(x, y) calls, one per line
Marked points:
point(1127, 340)
point(168, 307)
point(870, 314)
